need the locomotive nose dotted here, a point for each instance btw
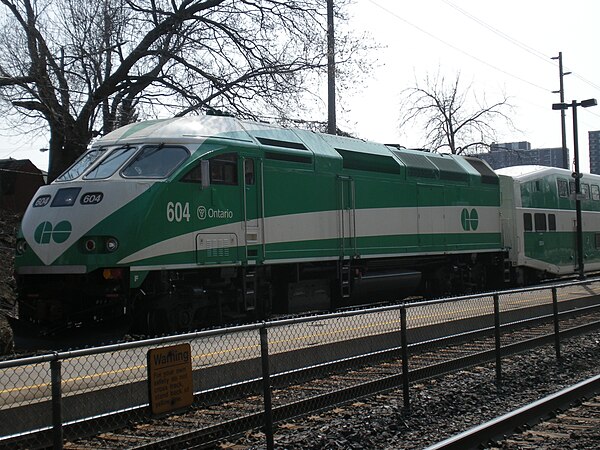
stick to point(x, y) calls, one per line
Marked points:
point(65, 223)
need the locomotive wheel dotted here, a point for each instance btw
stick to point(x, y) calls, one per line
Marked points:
point(182, 318)
point(156, 322)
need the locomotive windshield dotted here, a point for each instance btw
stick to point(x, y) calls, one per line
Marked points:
point(156, 161)
point(111, 163)
point(81, 165)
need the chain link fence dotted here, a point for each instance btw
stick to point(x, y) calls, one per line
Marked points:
point(252, 376)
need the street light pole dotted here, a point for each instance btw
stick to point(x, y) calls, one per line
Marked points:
point(577, 175)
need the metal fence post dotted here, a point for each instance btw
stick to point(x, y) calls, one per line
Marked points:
point(497, 338)
point(404, 342)
point(556, 324)
point(264, 356)
point(55, 378)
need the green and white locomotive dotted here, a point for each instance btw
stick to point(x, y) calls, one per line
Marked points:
point(183, 222)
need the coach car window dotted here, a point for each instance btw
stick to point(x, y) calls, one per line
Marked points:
point(563, 188)
point(81, 165)
point(223, 169)
point(595, 192)
point(551, 222)
point(155, 161)
point(572, 187)
point(527, 223)
point(111, 163)
point(585, 190)
point(540, 221)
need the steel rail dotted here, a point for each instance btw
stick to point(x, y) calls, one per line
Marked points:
point(529, 414)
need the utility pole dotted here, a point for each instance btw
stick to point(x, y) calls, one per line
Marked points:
point(331, 125)
point(561, 91)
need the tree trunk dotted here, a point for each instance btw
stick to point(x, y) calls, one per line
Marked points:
point(65, 149)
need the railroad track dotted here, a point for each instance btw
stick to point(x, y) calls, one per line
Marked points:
point(579, 423)
point(315, 389)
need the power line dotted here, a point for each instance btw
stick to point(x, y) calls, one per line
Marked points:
point(515, 42)
point(500, 33)
point(431, 35)
point(585, 80)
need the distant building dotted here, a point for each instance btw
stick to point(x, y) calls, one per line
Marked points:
point(510, 146)
point(594, 143)
point(19, 181)
point(520, 153)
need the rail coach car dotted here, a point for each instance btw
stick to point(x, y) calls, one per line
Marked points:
point(181, 222)
point(539, 223)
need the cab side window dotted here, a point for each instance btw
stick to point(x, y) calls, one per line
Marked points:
point(194, 175)
point(223, 169)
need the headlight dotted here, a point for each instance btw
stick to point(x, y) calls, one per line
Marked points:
point(90, 245)
point(111, 244)
point(21, 246)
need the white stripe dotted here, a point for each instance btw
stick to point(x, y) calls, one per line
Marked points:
point(182, 243)
point(296, 260)
point(328, 225)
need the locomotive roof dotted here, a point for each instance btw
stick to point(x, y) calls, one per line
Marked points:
point(198, 128)
point(187, 129)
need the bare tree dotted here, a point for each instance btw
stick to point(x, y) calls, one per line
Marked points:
point(452, 118)
point(88, 66)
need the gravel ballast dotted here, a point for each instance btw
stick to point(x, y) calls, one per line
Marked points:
point(441, 407)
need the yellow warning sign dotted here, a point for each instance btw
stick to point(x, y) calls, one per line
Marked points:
point(170, 378)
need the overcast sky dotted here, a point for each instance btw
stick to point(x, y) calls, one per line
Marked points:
point(497, 47)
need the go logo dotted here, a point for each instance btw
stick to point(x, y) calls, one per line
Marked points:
point(58, 233)
point(469, 220)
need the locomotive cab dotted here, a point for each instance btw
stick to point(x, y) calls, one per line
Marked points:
point(67, 262)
